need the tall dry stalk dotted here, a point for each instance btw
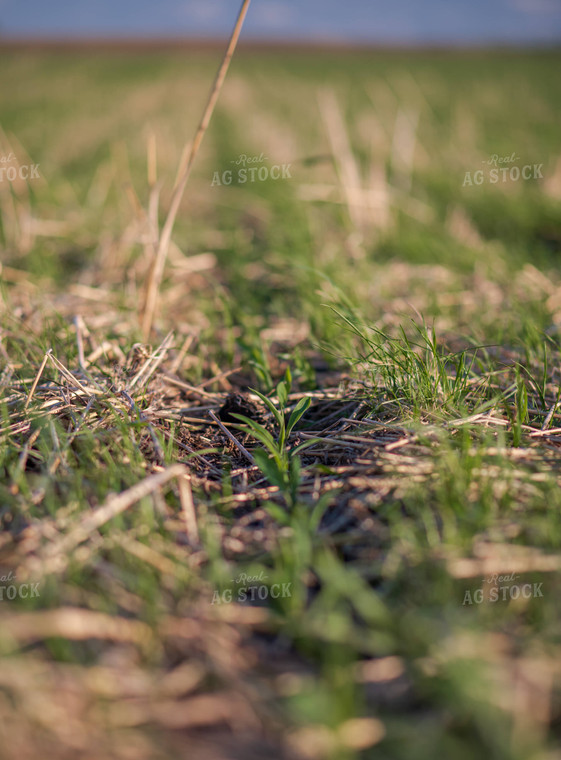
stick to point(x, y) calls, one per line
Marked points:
point(157, 269)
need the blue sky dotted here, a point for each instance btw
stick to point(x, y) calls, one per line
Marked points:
point(378, 21)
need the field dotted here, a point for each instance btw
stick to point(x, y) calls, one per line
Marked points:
point(365, 562)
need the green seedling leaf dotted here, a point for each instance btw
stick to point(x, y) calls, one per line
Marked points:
point(295, 469)
point(202, 453)
point(277, 513)
point(272, 408)
point(304, 445)
point(258, 432)
point(301, 407)
point(270, 468)
point(288, 379)
point(282, 394)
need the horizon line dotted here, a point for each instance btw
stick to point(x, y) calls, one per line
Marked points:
point(160, 42)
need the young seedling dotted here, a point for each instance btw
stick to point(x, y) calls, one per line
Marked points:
point(280, 464)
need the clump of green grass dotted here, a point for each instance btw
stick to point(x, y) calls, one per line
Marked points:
point(414, 370)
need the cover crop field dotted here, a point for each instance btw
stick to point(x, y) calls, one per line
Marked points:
point(305, 503)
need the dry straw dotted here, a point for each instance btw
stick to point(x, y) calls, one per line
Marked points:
point(186, 165)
